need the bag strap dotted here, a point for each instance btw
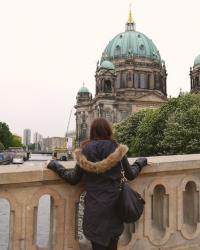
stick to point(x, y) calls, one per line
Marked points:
point(123, 179)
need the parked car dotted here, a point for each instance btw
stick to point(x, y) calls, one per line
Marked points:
point(16, 153)
point(17, 159)
point(4, 160)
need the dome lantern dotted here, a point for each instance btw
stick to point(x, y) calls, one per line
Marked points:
point(83, 89)
point(130, 25)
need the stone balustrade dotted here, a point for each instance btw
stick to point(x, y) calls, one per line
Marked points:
point(171, 220)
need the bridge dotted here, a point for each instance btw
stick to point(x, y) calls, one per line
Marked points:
point(171, 220)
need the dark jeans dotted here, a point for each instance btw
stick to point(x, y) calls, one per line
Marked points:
point(112, 245)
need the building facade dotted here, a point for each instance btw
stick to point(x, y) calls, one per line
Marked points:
point(129, 77)
point(37, 140)
point(195, 76)
point(51, 143)
point(27, 137)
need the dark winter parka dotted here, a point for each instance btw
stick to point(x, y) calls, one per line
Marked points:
point(99, 165)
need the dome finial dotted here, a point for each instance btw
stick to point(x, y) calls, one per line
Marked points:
point(130, 18)
point(130, 25)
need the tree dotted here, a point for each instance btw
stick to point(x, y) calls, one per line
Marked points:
point(1, 146)
point(16, 142)
point(174, 128)
point(151, 131)
point(125, 131)
point(146, 140)
point(32, 146)
point(182, 134)
point(5, 135)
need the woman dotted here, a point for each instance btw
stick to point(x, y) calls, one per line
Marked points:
point(98, 161)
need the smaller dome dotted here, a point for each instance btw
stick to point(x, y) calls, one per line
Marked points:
point(107, 65)
point(83, 90)
point(197, 60)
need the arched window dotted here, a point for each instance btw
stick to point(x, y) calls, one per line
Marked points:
point(107, 86)
point(117, 51)
point(129, 76)
point(142, 49)
point(123, 80)
point(83, 132)
point(196, 81)
point(107, 115)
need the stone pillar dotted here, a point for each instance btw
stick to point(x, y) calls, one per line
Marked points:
point(115, 113)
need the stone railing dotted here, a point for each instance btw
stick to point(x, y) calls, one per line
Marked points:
point(171, 220)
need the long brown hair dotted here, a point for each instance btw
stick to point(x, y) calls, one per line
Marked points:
point(100, 130)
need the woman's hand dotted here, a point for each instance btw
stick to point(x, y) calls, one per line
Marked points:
point(46, 163)
point(142, 161)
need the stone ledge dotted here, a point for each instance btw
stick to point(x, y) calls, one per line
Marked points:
point(10, 174)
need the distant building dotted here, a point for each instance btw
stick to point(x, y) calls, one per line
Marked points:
point(37, 140)
point(70, 137)
point(50, 143)
point(27, 137)
point(195, 76)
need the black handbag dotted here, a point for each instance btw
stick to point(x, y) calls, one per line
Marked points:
point(130, 204)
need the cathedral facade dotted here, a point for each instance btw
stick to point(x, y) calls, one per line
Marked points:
point(130, 76)
point(195, 76)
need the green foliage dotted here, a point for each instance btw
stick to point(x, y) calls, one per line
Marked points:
point(147, 135)
point(32, 146)
point(16, 142)
point(125, 131)
point(182, 133)
point(1, 146)
point(151, 131)
point(5, 135)
point(7, 138)
point(172, 129)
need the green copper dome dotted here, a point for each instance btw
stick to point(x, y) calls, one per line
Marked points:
point(131, 44)
point(83, 90)
point(107, 65)
point(197, 60)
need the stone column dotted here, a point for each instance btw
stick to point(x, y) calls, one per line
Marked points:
point(115, 113)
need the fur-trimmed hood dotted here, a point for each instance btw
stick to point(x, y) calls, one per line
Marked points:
point(105, 164)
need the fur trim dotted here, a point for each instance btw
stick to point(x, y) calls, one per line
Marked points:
point(105, 164)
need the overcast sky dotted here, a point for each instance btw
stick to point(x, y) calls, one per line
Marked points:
point(48, 48)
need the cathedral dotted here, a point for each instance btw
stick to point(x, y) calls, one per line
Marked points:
point(195, 76)
point(129, 77)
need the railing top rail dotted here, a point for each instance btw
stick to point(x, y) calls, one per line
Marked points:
point(36, 172)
